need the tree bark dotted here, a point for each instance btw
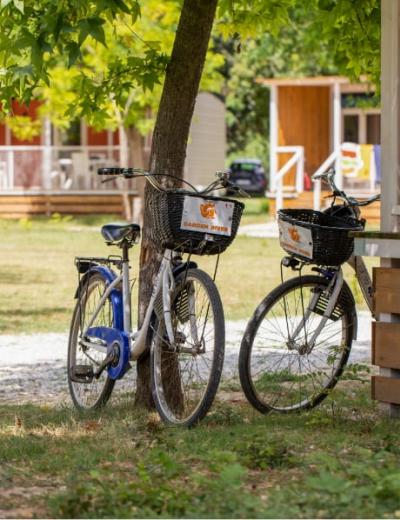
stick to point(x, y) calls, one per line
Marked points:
point(169, 143)
point(137, 160)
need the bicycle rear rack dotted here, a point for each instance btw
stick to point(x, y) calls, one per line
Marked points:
point(84, 263)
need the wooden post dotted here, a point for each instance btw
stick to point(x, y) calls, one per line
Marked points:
point(390, 147)
point(46, 157)
point(337, 131)
point(273, 136)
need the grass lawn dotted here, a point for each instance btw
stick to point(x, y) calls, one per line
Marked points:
point(38, 277)
point(341, 460)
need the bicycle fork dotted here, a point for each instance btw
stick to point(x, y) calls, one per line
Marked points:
point(333, 292)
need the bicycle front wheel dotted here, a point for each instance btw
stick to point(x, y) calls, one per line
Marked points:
point(279, 367)
point(89, 395)
point(185, 376)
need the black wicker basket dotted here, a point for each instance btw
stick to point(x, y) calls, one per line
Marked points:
point(331, 243)
point(166, 210)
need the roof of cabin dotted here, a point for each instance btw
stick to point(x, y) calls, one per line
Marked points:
point(319, 81)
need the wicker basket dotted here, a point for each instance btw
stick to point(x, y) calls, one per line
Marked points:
point(331, 243)
point(166, 210)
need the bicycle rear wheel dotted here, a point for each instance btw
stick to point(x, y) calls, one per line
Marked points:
point(185, 377)
point(281, 373)
point(95, 394)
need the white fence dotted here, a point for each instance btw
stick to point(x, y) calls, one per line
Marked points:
point(60, 168)
point(297, 159)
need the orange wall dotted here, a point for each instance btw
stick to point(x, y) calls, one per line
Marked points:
point(304, 120)
point(2, 134)
point(96, 138)
point(100, 138)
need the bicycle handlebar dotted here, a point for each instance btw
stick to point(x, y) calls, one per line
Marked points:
point(117, 171)
point(369, 201)
point(329, 176)
point(128, 173)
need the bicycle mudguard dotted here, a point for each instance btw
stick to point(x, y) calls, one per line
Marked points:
point(176, 271)
point(115, 295)
point(117, 343)
point(180, 268)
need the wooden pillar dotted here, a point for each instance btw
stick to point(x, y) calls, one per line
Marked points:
point(337, 131)
point(46, 157)
point(390, 155)
point(273, 136)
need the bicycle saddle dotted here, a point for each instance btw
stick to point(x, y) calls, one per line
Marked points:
point(115, 233)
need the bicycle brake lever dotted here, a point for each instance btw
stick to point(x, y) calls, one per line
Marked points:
point(228, 184)
point(244, 193)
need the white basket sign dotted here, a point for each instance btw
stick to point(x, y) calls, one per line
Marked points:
point(296, 239)
point(208, 216)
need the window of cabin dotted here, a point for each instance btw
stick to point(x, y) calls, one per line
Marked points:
point(373, 128)
point(351, 126)
point(361, 126)
point(72, 135)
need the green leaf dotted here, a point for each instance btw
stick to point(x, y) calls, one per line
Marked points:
point(92, 26)
point(74, 53)
point(122, 6)
point(36, 56)
point(19, 4)
point(97, 32)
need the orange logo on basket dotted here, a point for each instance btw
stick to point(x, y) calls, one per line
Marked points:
point(294, 234)
point(208, 210)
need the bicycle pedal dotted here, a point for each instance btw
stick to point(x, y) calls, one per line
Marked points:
point(81, 374)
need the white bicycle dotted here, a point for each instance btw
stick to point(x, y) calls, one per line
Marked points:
point(298, 341)
point(184, 322)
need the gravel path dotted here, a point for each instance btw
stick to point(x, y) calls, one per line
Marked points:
point(33, 366)
point(263, 230)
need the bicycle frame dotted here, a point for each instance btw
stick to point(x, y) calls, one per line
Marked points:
point(336, 286)
point(165, 282)
point(364, 280)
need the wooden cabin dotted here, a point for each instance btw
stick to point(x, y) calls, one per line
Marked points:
point(56, 171)
point(311, 119)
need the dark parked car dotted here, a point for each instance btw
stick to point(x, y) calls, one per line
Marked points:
point(249, 174)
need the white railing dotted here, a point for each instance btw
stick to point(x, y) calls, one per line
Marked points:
point(60, 168)
point(297, 160)
point(317, 184)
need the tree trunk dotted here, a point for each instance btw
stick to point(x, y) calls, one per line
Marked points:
point(137, 160)
point(124, 163)
point(170, 138)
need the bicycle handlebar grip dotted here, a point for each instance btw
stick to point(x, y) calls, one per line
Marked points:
point(128, 172)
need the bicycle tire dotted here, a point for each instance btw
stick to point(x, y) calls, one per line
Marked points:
point(175, 397)
point(263, 389)
point(102, 388)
